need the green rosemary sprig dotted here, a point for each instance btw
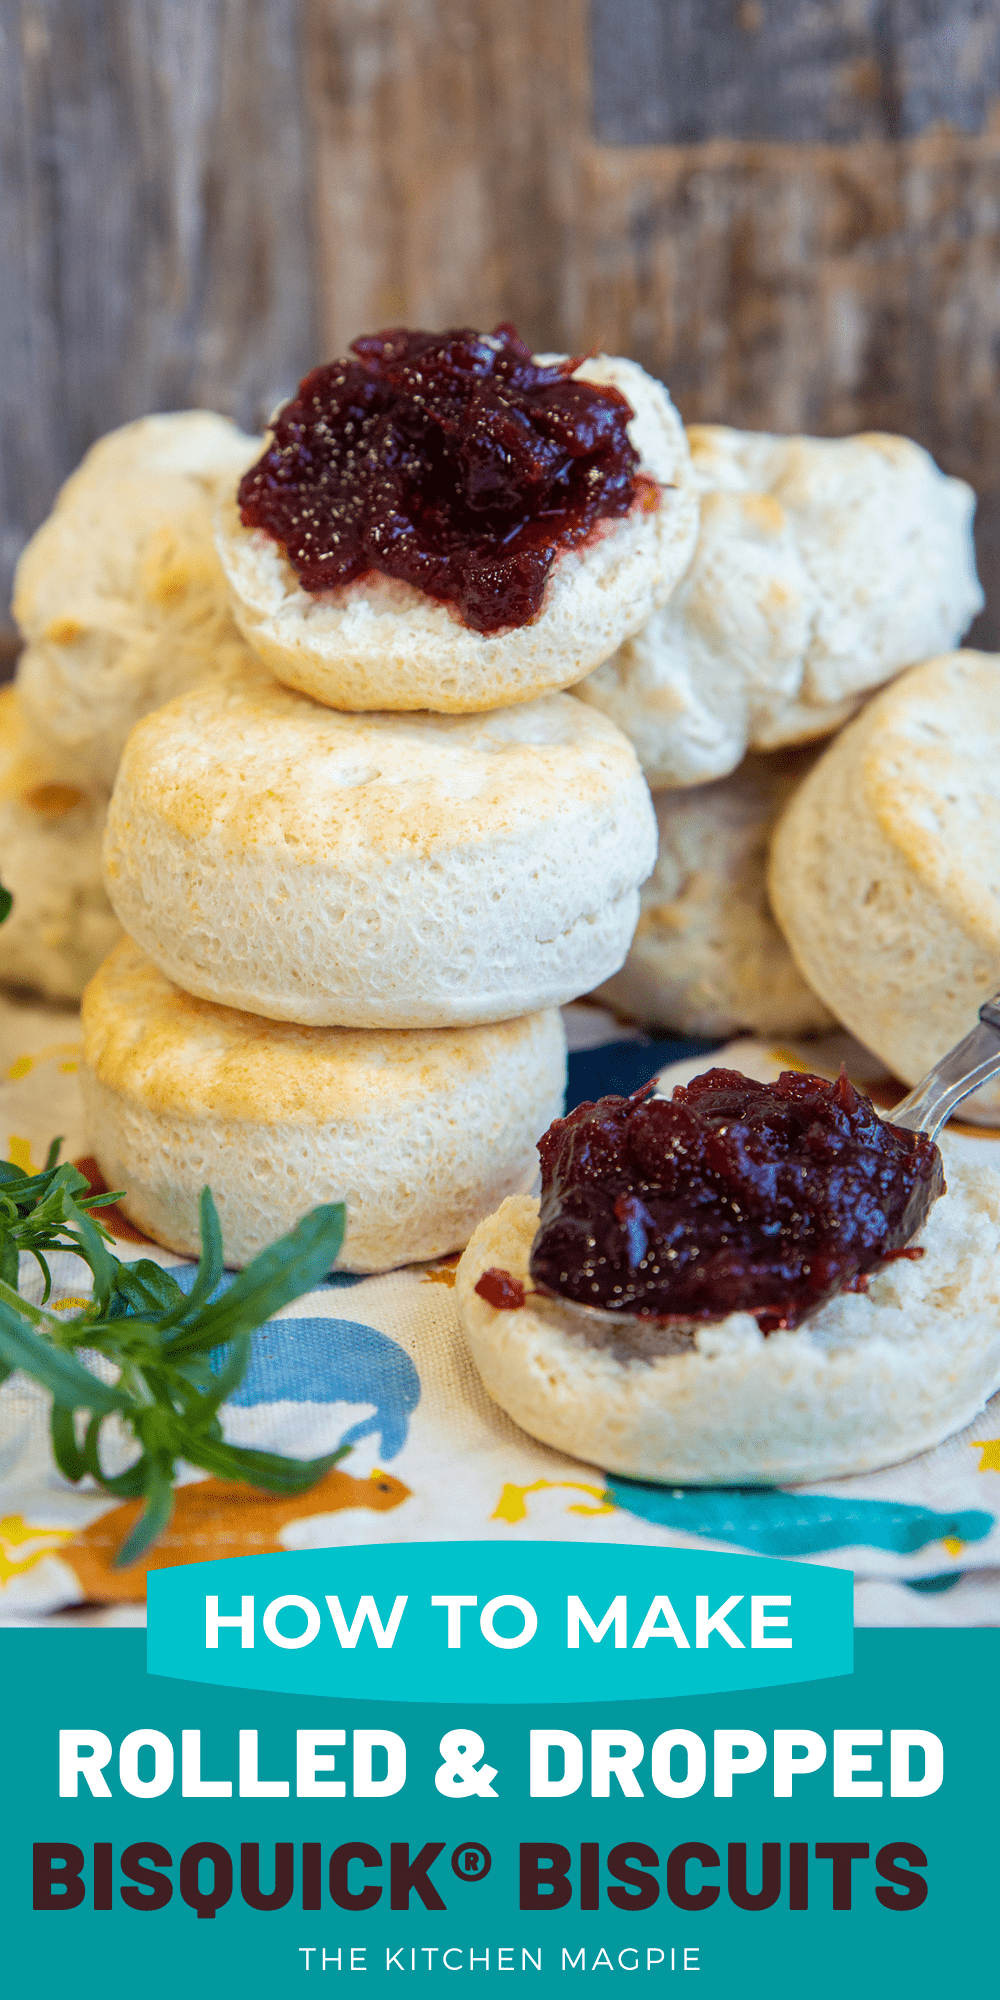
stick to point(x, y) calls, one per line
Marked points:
point(157, 1337)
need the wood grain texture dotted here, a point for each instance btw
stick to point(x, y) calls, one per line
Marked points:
point(820, 289)
point(201, 196)
point(445, 135)
point(825, 288)
point(792, 70)
point(156, 224)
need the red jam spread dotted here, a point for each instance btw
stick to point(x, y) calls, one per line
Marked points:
point(733, 1196)
point(452, 461)
point(500, 1290)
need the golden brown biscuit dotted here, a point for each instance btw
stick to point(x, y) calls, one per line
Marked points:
point(823, 566)
point(707, 957)
point(385, 870)
point(61, 924)
point(884, 874)
point(119, 593)
point(420, 1133)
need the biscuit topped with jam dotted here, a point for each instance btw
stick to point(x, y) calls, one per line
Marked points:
point(733, 1196)
point(455, 462)
point(447, 521)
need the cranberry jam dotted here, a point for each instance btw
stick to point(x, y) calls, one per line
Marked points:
point(451, 461)
point(734, 1196)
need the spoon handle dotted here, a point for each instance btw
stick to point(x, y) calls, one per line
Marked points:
point(972, 1062)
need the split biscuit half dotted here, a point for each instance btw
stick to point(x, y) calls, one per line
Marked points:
point(823, 566)
point(380, 643)
point(119, 594)
point(884, 868)
point(867, 1381)
point(382, 870)
point(420, 1134)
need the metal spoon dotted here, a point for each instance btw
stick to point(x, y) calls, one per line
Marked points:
point(970, 1063)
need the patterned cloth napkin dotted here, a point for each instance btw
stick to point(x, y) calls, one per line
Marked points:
point(379, 1363)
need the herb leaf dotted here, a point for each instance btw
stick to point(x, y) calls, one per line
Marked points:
point(158, 1337)
point(72, 1386)
point(155, 1516)
point(283, 1272)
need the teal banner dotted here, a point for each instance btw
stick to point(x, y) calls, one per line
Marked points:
point(546, 1622)
point(831, 1838)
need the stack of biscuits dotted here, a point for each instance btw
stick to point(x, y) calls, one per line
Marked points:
point(361, 854)
point(823, 569)
point(361, 851)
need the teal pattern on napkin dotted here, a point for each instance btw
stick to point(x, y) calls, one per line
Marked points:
point(794, 1524)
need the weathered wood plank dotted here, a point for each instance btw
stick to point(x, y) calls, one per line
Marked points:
point(156, 224)
point(789, 69)
point(201, 197)
point(828, 289)
point(445, 133)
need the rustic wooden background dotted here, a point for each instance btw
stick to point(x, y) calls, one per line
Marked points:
point(789, 209)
